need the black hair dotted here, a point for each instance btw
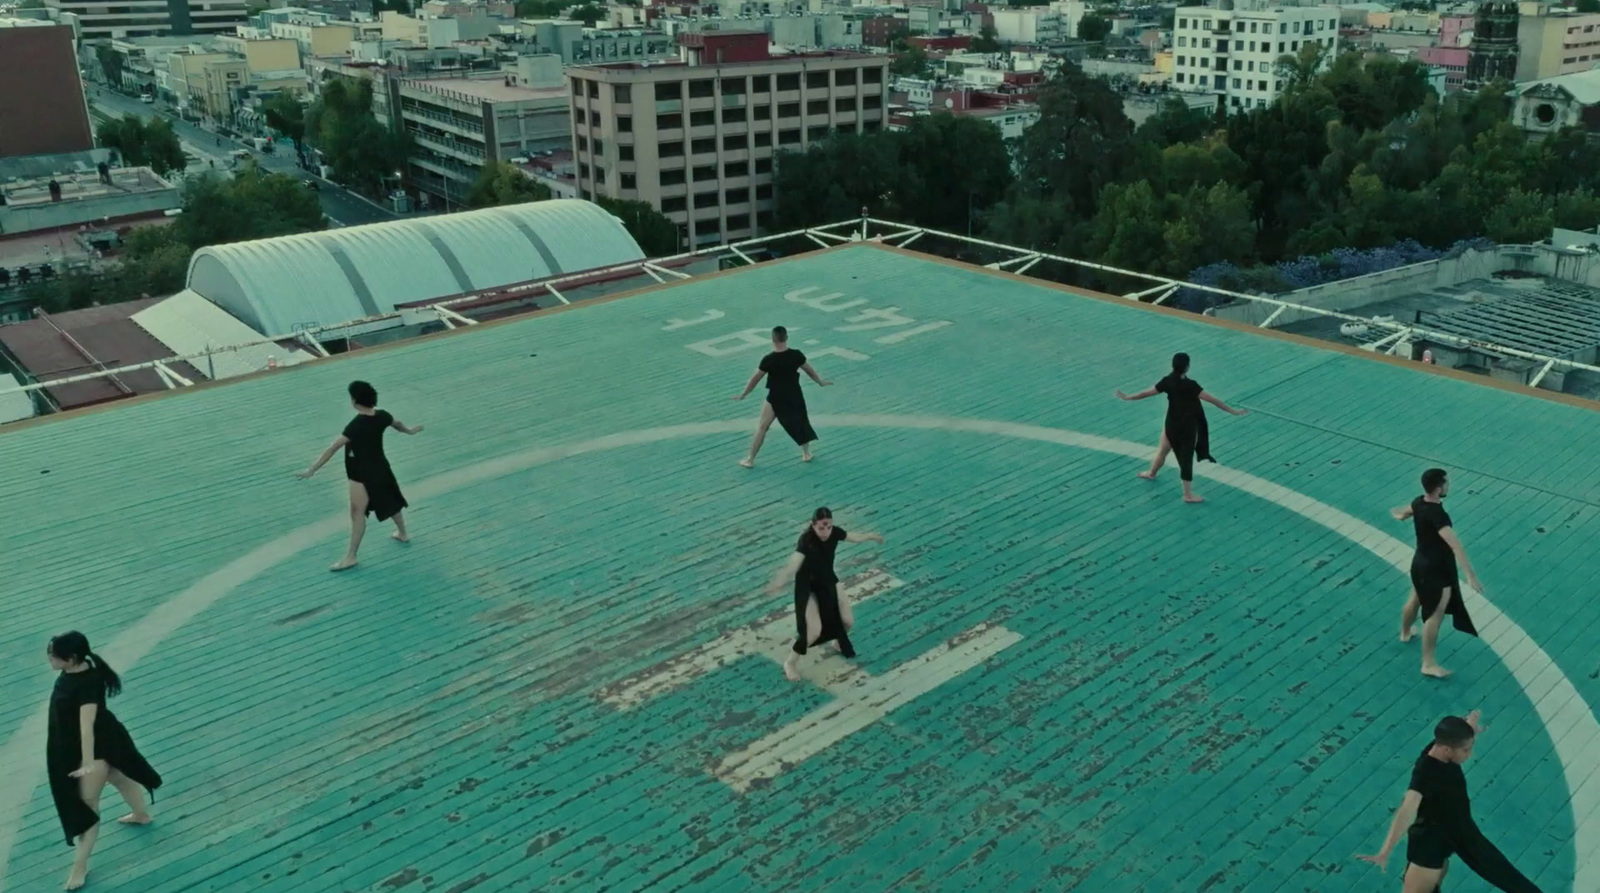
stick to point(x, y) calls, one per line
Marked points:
point(1453, 731)
point(73, 647)
point(818, 515)
point(780, 334)
point(363, 394)
point(1433, 479)
point(1180, 364)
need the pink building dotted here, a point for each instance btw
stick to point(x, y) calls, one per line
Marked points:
point(1452, 59)
point(1451, 28)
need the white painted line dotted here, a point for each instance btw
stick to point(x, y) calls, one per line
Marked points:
point(1562, 708)
point(758, 637)
point(867, 701)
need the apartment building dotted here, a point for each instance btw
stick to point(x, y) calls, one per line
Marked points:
point(1233, 53)
point(459, 124)
point(207, 84)
point(697, 139)
point(154, 18)
point(1552, 44)
point(42, 107)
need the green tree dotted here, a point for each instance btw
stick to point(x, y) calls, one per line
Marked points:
point(987, 40)
point(588, 14)
point(1588, 5)
point(656, 234)
point(143, 142)
point(362, 152)
point(1081, 143)
point(540, 9)
point(1520, 218)
point(1175, 122)
point(1093, 27)
point(1578, 209)
point(910, 62)
point(285, 114)
point(500, 183)
point(1137, 229)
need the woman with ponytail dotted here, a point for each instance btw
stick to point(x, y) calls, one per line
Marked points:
point(1185, 432)
point(87, 747)
point(821, 612)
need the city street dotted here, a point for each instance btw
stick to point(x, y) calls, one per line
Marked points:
point(343, 207)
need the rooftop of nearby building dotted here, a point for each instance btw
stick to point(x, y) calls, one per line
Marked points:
point(1066, 677)
point(81, 186)
point(491, 89)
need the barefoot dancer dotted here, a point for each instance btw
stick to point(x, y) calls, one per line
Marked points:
point(784, 401)
point(821, 612)
point(1185, 432)
point(1443, 826)
point(1435, 582)
point(86, 747)
point(372, 484)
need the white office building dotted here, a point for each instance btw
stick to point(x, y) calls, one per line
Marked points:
point(1234, 52)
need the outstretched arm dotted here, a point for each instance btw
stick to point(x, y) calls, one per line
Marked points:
point(401, 427)
point(786, 572)
point(1403, 513)
point(1448, 534)
point(1147, 392)
point(336, 446)
point(751, 384)
point(814, 376)
point(1402, 820)
point(1215, 401)
point(863, 538)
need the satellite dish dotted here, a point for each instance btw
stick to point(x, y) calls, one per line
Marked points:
point(949, 103)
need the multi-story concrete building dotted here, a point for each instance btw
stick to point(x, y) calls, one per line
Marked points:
point(1234, 53)
point(42, 107)
point(207, 84)
point(1551, 44)
point(460, 124)
point(698, 139)
point(1030, 25)
point(148, 18)
point(1494, 43)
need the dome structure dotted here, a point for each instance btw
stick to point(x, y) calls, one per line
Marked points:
point(285, 284)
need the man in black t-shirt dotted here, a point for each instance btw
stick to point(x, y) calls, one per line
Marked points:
point(1439, 815)
point(1435, 570)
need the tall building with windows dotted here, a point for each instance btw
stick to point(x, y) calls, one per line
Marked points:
point(1495, 44)
point(1232, 50)
point(697, 138)
point(154, 18)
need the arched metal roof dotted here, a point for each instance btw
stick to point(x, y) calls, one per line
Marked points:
point(287, 283)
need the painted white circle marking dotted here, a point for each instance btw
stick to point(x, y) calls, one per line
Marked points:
point(1557, 701)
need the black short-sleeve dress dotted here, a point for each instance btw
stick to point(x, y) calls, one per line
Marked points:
point(365, 463)
point(1433, 567)
point(784, 396)
point(1186, 428)
point(64, 748)
point(1444, 827)
point(816, 578)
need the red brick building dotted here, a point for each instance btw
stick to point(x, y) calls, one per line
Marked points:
point(42, 109)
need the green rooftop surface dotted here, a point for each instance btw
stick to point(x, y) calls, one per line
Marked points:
point(1067, 678)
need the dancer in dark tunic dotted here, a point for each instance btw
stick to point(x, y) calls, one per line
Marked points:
point(1185, 432)
point(372, 484)
point(1439, 814)
point(821, 612)
point(784, 402)
point(86, 747)
point(1435, 580)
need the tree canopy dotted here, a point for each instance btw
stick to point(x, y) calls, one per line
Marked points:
point(499, 183)
point(143, 142)
point(285, 114)
point(361, 151)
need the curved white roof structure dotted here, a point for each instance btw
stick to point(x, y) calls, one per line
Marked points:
point(288, 283)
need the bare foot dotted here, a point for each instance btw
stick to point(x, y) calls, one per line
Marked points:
point(1407, 634)
point(1193, 499)
point(401, 538)
point(1148, 475)
point(344, 565)
point(791, 670)
point(1435, 671)
point(76, 879)
point(134, 818)
point(805, 457)
point(747, 463)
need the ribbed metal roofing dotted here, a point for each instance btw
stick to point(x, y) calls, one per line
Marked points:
point(282, 285)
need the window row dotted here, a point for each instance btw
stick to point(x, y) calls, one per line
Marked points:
point(714, 199)
point(734, 86)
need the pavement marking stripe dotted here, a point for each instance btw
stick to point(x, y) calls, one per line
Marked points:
point(868, 700)
point(1562, 708)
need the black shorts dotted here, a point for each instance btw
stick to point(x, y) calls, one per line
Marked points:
point(1429, 847)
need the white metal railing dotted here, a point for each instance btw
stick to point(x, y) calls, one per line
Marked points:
point(827, 236)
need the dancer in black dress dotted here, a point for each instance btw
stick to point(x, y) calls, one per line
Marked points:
point(86, 747)
point(1184, 432)
point(1435, 580)
point(821, 612)
point(784, 401)
point(372, 484)
point(1439, 814)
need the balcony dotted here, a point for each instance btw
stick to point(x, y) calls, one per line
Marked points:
point(464, 151)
